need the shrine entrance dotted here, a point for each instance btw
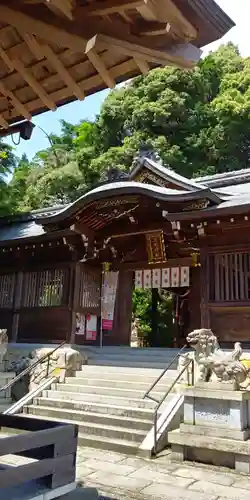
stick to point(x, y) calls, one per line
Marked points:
point(161, 315)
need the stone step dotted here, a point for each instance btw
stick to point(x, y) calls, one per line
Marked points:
point(163, 358)
point(127, 363)
point(101, 442)
point(125, 370)
point(124, 383)
point(103, 409)
point(116, 445)
point(88, 417)
point(131, 351)
point(111, 373)
point(110, 431)
point(109, 391)
point(98, 398)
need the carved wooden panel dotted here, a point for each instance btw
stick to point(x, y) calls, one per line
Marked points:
point(229, 277)
point(7, 290)
point(89, 289)
point(47, 288)
point(231, 324)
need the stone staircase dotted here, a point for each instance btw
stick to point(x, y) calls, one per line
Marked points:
point(105, 398)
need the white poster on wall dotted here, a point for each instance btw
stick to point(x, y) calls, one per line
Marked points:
point(91, 327)
point(80, 324)
point(109, 289)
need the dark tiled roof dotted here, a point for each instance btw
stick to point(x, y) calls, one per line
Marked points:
point(226, 179)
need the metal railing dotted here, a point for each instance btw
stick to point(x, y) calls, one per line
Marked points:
point(159, 403)
point(190, 361)
point(146, 395)
point(31, 367)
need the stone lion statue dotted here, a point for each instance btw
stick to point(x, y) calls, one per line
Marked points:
point(3, 344)
point(211, 361)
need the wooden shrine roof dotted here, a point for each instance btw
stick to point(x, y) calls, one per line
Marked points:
point(55, 51)
point(101, 206)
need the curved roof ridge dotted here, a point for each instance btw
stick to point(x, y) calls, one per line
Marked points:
point(174, 176)
point(130, 188)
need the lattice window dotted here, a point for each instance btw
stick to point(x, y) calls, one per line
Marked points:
point(46, 288)
point(229, 277)
point(7, 290)
point(89, 289)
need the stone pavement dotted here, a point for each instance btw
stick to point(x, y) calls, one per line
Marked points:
point(119, 477)
point(102, 475)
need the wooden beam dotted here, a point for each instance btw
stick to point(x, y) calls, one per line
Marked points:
point(125, 42)
point(142, 65)
point(148, 10)
point(43, 50)
point(87, 85)
point(3, 122)
point(153, 28)
point(100, 8)
point(63, 72)
point(7, 61)
point(61, 7)
point(29, 78)
point(166, 11)
point(146, 53)
point(99, 64)
point(17, 104)
point(33, 45)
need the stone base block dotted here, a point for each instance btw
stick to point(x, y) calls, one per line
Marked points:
point(206, 449)
point(203, 430)
point(217, 409)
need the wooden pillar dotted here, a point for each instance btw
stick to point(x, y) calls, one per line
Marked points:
point(16, 306)
point(204, 288)
point(123, 309)
point(74, 297)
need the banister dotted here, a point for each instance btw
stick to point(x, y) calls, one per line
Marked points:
point(146, 395)
point(31, 367)
point(189, 361)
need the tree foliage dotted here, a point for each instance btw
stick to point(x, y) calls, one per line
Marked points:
point(197, 121)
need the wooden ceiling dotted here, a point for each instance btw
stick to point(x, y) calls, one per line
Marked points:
point(55, 51)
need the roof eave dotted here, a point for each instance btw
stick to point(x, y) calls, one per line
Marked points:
point(208, 213)
point(120, 189)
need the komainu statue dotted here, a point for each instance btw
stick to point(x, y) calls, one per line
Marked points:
point(213, 363)
point(3, 344)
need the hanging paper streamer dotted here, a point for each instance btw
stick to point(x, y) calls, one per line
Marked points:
point(156, 278)
point(147, 278)
point(91, 327)
point(168, 277)
point(185, 279)
point(109, 288)
point(165, 278)
point(138, 279)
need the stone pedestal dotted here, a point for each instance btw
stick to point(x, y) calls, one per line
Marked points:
point(5, 396)
point(216, 427)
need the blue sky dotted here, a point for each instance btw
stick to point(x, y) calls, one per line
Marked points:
point(238, 10)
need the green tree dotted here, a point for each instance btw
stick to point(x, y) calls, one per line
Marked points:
point(7, 165)
point(197, 121)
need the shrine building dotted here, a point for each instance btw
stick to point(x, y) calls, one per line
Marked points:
point(67, 273)
point(65, 267)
